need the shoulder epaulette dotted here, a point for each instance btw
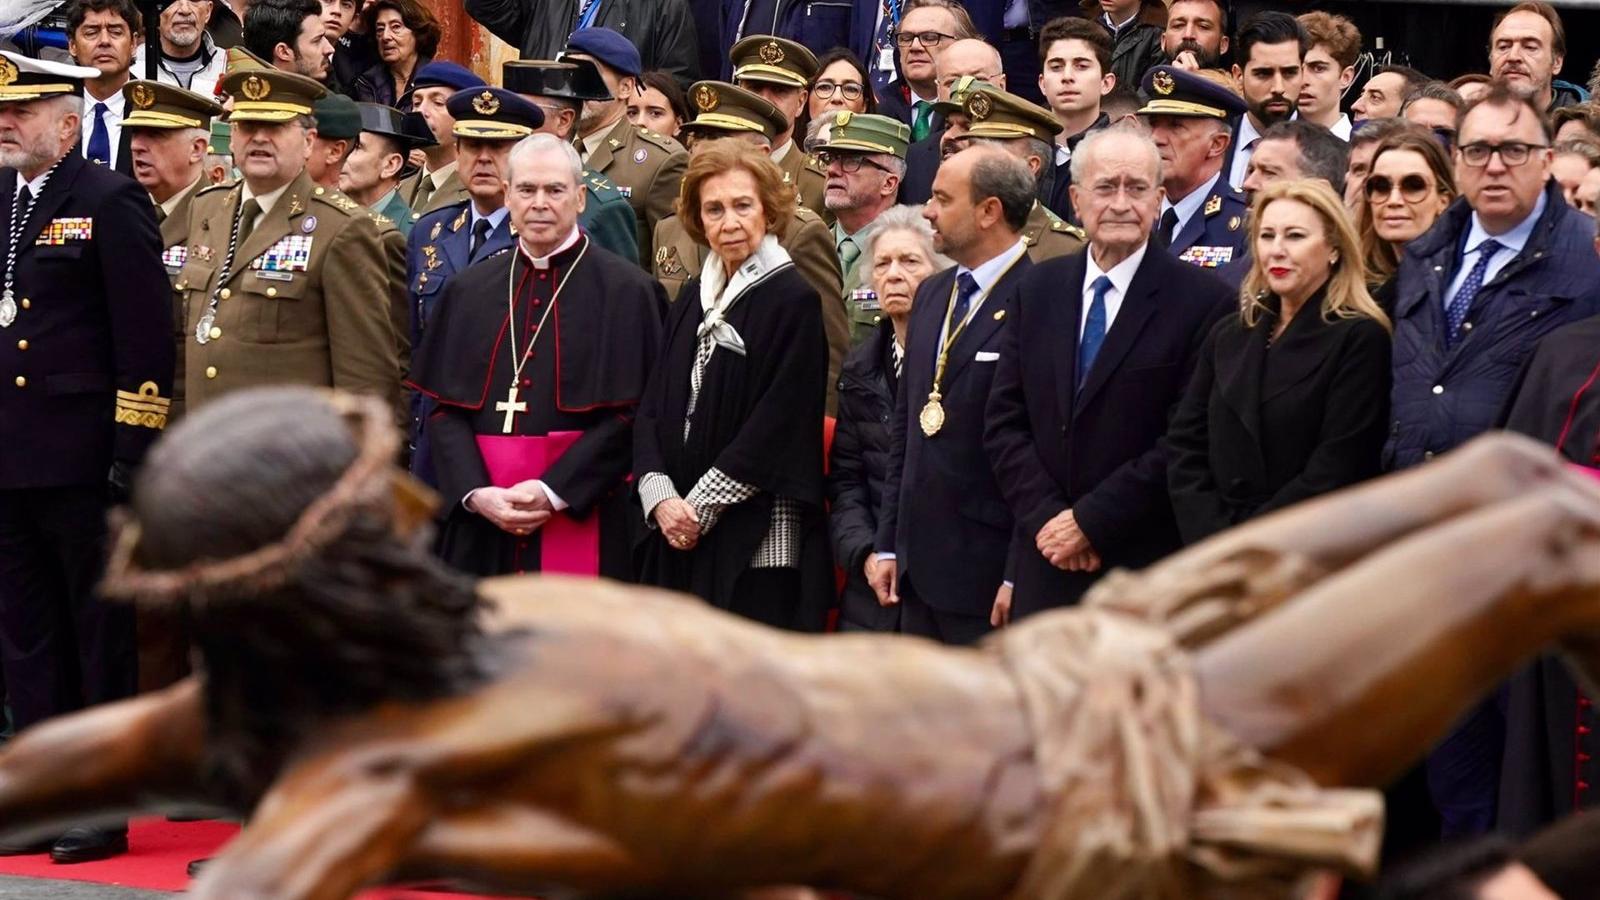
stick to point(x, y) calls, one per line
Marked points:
point(660, 140)
point(1069, 228)
point(335, 199)
point(805, 214)
point(213, 188)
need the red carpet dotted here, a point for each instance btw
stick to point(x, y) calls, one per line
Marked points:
point(159, 851)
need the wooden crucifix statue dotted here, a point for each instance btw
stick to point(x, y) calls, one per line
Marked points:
point(1209, 727)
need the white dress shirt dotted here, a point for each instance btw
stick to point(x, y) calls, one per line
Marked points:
point(986, 275)
point(267, 201)
point(1341, 128)
point(1121, 276)
point(116, 106)
point(1242, 150)
point(495, 218)
point(1189, 205)
point(1511, 244)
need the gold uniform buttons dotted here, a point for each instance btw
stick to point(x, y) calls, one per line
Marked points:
point(21, 381)
point(26, 303)
point(22, 345)
point(225, 294)
point(211, 371)
point(216, 332)
point(272, 292)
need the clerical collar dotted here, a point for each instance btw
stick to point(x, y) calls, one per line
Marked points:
point(543, 262)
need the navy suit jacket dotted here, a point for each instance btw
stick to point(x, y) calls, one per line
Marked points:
point(1094, 449)
point(922, 164)
point(945, 518)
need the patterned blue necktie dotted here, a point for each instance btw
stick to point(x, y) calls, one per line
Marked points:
point(99, 149)
point(1461, 303)
point(966, 286)
point(1094, 329)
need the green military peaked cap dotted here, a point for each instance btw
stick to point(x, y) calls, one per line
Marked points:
point(997, 114)
point(864, 133)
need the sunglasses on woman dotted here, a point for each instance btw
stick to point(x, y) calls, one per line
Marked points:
point(851, 89)
point(1413, 188)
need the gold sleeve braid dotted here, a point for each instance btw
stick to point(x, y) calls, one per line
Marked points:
point(146, 409)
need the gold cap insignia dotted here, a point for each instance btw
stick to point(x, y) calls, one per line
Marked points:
point(979, 106)
point(842, 118)
point(1214, 205)
point(1164, 83)
point(486, 104)
point(255, 88)
point(143, 96)
point(771, 53)
point(705, 98)
point(8, 71)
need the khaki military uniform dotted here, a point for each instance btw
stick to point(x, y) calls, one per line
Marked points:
point(809, 242)
point(304, 300)
point(809, 177)
point(451, 192)
point(647, 168)
point(1048, 237)
point(174, 252)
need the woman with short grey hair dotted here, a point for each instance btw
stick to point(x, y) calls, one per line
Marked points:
point(898, 254)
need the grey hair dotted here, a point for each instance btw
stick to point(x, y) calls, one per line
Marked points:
point(908, 219)
point(896, 165)
point(1090, 145)
point(1034, 147)
point(1433, 90)
point(544, 143)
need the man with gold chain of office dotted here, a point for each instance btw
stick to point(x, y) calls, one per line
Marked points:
point(645, 166)
point(780, 72)
point(285, 282)
point(726, 111)
point(978, 111)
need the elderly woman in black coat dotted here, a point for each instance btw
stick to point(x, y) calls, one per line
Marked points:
point(728, 440)
point(899, 254)
point(1290, 397)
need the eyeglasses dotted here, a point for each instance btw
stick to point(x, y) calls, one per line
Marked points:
point(1108, 190)
point(1512, 153)
point(1413, 188)
point(851, 89)
point(928, 38)
point(851, 163)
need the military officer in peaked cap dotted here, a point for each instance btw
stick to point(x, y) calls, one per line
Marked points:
point(561, 89)
point(726, 111)
point(780, 71)
point(647, 167)
point(1203, 217)
point(85, 388)
point(1028, 132)
point(870, 153)
point(285, 280)
point(169, 134)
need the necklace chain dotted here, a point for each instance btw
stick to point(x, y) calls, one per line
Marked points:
point(519, 362)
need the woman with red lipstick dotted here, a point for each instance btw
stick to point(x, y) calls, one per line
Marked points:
point(407, 33)
point(1409, 184)
point(1290, 397)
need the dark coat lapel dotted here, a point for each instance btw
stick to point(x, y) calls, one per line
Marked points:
point(1240, 357)
point(927, 315)
point(56, 192)
point(1298, 352)
point(1137, 308)
point(1062, 317)
point(983, 324)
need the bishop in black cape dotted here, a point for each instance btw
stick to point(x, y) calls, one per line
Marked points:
point(1552, 733)
point(586, 373)
point(759, 419)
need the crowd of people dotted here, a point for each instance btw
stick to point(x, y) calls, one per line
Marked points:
point(919, 319)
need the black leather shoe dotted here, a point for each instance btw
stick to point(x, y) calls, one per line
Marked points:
point(19, 848)
point(84, 844)
point(196, 866)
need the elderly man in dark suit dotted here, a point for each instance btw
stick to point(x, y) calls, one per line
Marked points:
point(1098, 349)
point(944, 532)
point(86, 354)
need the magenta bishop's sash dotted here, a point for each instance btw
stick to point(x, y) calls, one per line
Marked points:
point(567, 546)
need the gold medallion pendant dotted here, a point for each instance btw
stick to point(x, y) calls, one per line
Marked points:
point(932, 416)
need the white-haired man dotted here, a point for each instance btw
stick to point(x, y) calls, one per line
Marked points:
point(531, 429)
point(86, 355)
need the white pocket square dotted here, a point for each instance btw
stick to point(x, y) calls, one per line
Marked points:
point(985, 356)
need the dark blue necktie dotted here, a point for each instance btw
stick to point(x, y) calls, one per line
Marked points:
point(100, 137)
point(966, 286)
point(1094, 329)
point(480, 236)
point(1461, 303)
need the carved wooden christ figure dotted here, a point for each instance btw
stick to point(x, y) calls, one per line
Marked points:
point(1189, 732)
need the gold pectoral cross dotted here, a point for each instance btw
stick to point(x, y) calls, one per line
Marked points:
point(510, 407)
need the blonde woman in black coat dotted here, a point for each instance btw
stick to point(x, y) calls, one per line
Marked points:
point(1290, 397)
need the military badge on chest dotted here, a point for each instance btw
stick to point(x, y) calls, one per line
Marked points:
point(1207, 257)
point(289, 255)
point(667, 263)
point(174, 258)
point(61, 231)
